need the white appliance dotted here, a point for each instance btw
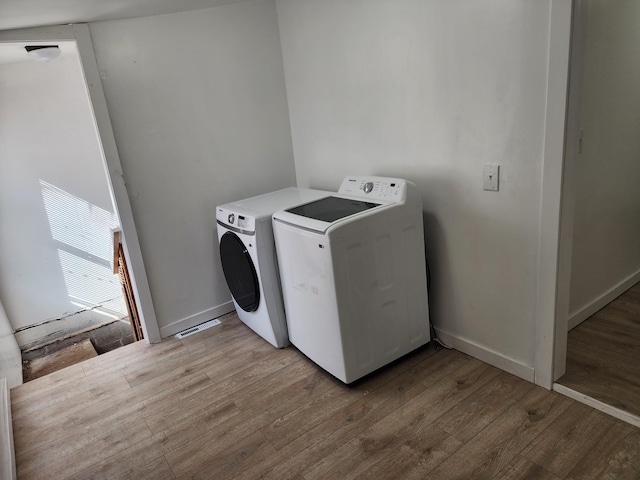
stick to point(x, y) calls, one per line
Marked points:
point(247, 253)
point(353, 274)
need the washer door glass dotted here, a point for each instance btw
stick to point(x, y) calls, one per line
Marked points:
point(239, 272)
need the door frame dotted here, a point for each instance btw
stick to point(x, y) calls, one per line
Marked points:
point(111, 159)
point(562, 132)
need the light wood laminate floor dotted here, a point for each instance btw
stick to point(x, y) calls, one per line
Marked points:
point(603, 354)
point(224, 404)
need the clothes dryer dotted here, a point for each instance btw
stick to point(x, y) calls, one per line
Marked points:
point(247, 254)
point(353, 274)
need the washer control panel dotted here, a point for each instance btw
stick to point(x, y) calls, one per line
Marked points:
point(381, 188)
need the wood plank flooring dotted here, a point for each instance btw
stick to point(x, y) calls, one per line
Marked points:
point(603, 354)
point(224, 404)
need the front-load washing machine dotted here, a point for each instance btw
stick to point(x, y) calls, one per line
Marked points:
point(353, 273)
point(247, 254)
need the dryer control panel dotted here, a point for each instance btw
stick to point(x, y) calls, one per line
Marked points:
point(381, 188)
point(235, 221)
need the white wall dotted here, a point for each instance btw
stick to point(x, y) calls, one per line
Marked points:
point(431, 91)
point(606, 241)
point(47, 135)
point(199, 110)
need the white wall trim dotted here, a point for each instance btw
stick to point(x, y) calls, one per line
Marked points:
point(131, 245)
point(597, 404)
point(567, 205)
point(487, 355)
point(553, 278)
point(7, 451)
point(80, 34)
point(576, 318)
point(196, 319)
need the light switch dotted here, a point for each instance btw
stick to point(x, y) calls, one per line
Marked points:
point(491, 177)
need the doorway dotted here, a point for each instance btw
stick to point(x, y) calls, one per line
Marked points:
point(65, 178)
point(604, 219)
point(57, 284)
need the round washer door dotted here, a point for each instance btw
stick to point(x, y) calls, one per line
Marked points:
point(239, 272)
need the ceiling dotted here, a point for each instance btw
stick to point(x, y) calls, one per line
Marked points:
point(16, 14)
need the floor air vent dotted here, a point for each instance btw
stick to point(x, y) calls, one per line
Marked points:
point(198, 328)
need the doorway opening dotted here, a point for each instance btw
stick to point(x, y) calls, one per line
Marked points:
point(60, 167)
point(603, 293)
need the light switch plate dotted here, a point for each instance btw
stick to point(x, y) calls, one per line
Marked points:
point(491, 177)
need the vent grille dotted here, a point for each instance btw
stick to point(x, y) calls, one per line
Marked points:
point(198, 328)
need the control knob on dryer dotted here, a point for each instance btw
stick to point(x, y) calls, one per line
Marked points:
point(231, 218)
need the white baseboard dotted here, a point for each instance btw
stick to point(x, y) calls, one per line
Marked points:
point(487, 355)
point(7, 452)
point(603, 300)
point(598, 405)
point(196, 319)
